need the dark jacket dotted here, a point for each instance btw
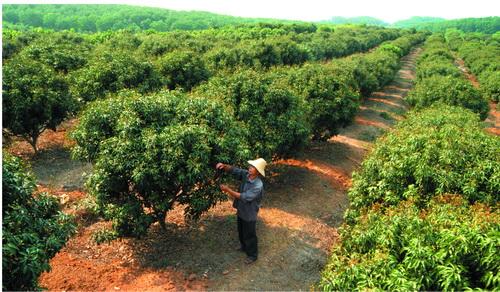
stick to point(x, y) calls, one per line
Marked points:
point(251, 195)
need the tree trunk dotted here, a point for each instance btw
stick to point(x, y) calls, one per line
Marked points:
point(32, 142)
point(160, 215)
point(163, 225)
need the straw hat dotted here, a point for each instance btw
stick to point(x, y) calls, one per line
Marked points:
point(259, 164)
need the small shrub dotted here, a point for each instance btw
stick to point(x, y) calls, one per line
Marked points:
point(33, 227)
point(104, 236)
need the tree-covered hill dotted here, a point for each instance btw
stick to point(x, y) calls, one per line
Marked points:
point(355, 20)
point(487, 25)
point(97, 18)
point(417, 21)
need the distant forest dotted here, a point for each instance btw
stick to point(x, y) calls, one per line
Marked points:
point(417, 21)
point(100, 18)
point(488, 25)
point(356, 20)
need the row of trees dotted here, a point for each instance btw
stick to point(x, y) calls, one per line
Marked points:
point(439, 80)
point(403, 229)
point(48, 76)
point(481, 57)
point(291, 41)
point(423, 212)
point(150, 151)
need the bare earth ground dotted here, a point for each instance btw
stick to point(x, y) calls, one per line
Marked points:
point(492, 122)
point(303, 206)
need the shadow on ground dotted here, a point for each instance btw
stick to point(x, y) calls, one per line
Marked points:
point(54, 167)
point(207, 249)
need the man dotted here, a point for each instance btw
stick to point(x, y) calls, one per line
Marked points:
point(247, 202)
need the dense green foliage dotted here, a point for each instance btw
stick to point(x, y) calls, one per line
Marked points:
point(447, 246)
point(439, 80)
point(57, 50)
point(182, 69)
point(448, 90)
point(13, 41)
point(95, 18)
point(331, 96)
point(403, 230)
point(330, 93)
point(488, 25)
point(490, 85)
point(33, 228)
point(96, 65)
point(376, 70)
point(273, 115)
point(34, 98)
point(258, 45)
point(481, 57)
point(247, 45)
point(261, 90)
point(440, 150)
point(231, 116)
point(152, 151)
point(109, 72)
point(436, 59)
point(291, 48)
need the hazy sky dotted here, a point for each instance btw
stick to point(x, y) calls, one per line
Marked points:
point(311, 10)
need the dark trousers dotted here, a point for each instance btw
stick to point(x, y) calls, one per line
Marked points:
point(248, 237)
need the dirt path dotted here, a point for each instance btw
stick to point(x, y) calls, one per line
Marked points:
point(304, 204)
point(463, 68)
point(492, 122)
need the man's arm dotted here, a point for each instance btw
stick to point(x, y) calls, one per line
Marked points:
point(237, 172)
point(248, 195)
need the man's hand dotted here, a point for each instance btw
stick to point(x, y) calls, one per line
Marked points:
point(225, 188)
point(229, 191)
point(222, 166)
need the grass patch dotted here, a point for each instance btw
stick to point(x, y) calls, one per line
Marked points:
point(104, 235)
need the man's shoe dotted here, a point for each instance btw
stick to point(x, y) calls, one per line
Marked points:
point(250, 260)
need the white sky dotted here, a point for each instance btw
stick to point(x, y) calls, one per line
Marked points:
point(311, 10)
